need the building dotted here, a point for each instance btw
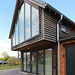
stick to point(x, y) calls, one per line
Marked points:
point(45, 37)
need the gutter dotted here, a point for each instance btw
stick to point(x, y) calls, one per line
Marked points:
point(58, 41)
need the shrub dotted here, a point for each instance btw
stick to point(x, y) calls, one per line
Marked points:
point(6, 58)
point(12, 61)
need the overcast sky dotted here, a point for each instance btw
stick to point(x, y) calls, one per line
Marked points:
point(7, 7)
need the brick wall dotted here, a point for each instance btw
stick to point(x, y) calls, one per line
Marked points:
point(63, 46)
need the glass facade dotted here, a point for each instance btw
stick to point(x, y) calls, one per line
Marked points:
point(48, 62)
point(27, 24)
point(28, 61)
point(39, 62)
point(35, 21)
point(13, 38)
point(21, 24)
point(27, 21)
point(24, 59)
point(16, 32)
point(34, 62)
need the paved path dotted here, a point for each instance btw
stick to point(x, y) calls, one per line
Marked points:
point(13, 72)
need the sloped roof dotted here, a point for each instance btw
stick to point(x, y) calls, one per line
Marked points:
point(42, 4)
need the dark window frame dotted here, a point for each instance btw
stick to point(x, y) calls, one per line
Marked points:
point(64, 28)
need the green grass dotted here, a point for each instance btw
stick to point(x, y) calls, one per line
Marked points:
point(8, 67)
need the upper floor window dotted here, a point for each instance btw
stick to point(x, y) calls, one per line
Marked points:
point(13, 39)
point(27, 24)
point(35, 21)
point(27, 21)
point(64, 28)
point(16, 31)
point(21, 24)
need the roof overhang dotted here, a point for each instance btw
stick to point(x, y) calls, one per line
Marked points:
point(59, 13)
point(39, 3)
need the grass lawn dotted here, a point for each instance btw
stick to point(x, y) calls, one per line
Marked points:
point(8, 67)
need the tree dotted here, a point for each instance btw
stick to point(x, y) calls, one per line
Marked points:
point(12, 61)
point(6, 58)
point(4, 54)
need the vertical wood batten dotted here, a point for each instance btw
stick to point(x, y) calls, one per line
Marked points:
point(22, 66)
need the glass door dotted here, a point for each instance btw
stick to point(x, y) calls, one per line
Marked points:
point(24, 61)
point(28, 61)
point(34, 62)
point(40, 62)
point(48, 62)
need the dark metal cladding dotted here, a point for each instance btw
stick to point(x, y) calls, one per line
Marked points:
point(70, 60)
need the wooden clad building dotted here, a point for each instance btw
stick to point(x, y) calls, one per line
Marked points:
point(34, 33)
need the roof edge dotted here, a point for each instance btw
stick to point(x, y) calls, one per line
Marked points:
point(39, 3)
point(55, 10)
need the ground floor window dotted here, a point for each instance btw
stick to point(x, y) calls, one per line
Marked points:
point(48, 62)
point(28, 61)
point(24, 59)
point(34, 62)
point(39, 62)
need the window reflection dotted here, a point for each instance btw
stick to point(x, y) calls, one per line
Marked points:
point(21, 23)
point(16, 32)
point(40, 62)
point(27, 21)
point(28, 61)
point(31, 26)
point(34, 62)
point(48, 62)
point(35, 21)
point(24, 62)
point(14, 39)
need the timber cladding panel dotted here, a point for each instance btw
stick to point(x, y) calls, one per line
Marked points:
point(50, 22)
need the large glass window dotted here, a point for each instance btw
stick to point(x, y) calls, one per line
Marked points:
point(34, 62)
point(27, 24)
point(24, 62)
point(40, 63)
point(16, 32)
point(21, 24)
point(14, 38)
point(27, 21)
point(28, 61)
point(35, 21)
point(48, 62)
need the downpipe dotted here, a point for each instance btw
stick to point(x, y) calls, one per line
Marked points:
point(58, 41)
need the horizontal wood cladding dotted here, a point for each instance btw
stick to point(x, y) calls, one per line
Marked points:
point(70, 31)
point(34, 39)
point(50, 22)
point(50, 27)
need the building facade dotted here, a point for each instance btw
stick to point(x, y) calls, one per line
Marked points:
point(34, 33)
